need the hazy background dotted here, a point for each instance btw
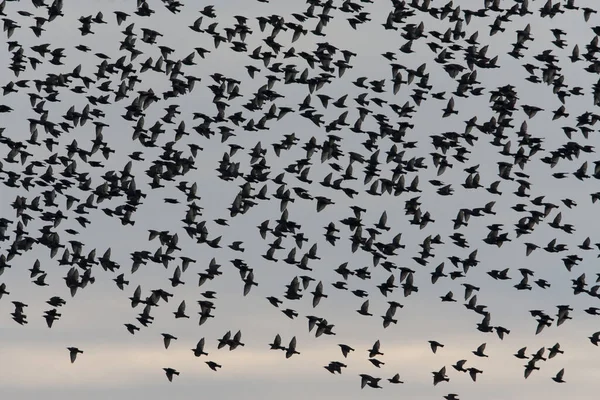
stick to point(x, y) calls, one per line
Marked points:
point(116, 364)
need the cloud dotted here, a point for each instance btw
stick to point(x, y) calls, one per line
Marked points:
point(118, 364)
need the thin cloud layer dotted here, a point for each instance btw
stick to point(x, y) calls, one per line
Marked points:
point(393, 138)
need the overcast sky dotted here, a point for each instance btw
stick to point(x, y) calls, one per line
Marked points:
point(115, 364)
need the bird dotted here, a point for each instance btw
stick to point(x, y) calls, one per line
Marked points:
point(480, 350)
point(451, 396)
point(375, 350)
point(377, 363)
point(73, 351)
point(345, 349)
point(213, 365)
point(364, 309)
point(559, 376)
point(291, 349)
point(180, 313)
point(395, 379)
point(521, 353)
point(368, 380)
point(554, 350)
point(276, 345)
point(434, 345)
point(335, 366)
point(440, 376)
point(199, 349)
point(167, 337)
point(170, 372)
point(473, 373)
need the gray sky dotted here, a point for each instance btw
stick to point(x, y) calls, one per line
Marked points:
point(116, 364)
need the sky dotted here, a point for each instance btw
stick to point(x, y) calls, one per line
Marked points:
point(116, 364)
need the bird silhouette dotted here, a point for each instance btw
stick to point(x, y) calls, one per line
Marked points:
point(73, 351)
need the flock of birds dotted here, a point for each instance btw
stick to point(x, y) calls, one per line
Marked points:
point(79, 180)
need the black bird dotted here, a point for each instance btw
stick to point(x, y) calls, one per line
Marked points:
point(170, 372)
point(73, 351)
